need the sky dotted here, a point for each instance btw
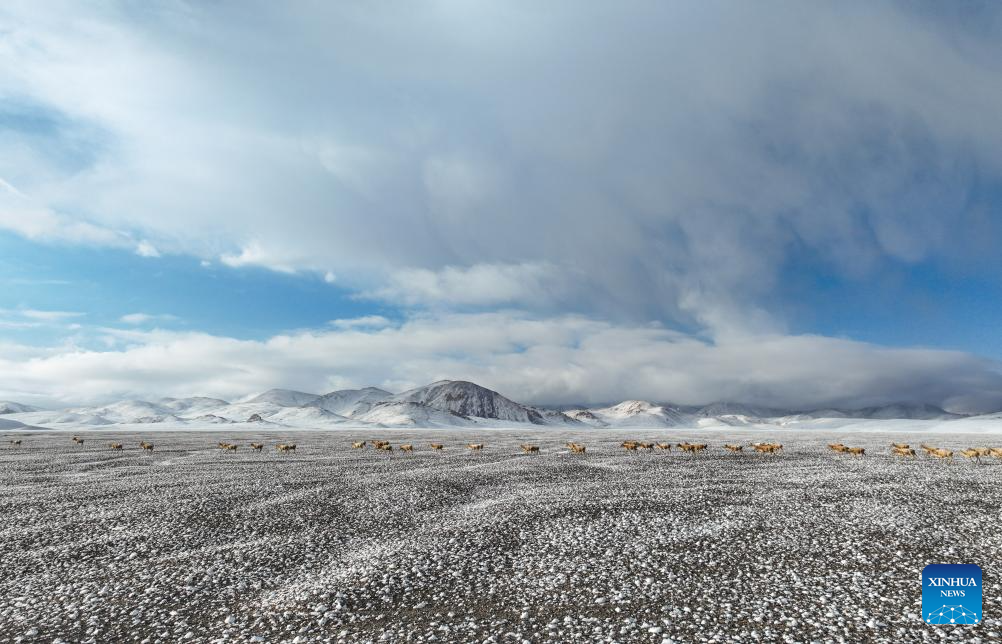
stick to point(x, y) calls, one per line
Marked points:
point(784, 203)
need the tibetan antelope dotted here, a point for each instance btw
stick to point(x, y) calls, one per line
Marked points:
point(232, 448)
point(733, 448)
point(899, 445)
point(939, 452)
point(358, 445)
point(257, 447)
point(16, 442)
point(147, 447)
point(385, 447)
point(530, 449)
point(437, 446)
point(769, 448)
point(838, 448)
point(928, 449)
point(972, 454)
point(407, 448)
point(630, 446)
point(78, 440)
point(645, 445)
point(995, 451)
point(286, 448)
point(475, 446)
point(903, 451)
point(664, 446)
point(857, 451)
point(116, 446)
point(576, 448)
point(380, 444)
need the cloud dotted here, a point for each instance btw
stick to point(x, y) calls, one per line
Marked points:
point(254, 254)
point(146, 249)
point(565, 359)
point(143, 318)
point(664, 160)
point(477, 285)
point(366, 321)
point(24, 318)
point(48, 316)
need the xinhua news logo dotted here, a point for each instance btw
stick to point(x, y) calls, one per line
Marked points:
point(951, 594)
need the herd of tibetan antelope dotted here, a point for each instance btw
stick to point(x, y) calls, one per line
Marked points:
point(897, 449)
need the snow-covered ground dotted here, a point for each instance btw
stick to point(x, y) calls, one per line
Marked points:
point(334, 544)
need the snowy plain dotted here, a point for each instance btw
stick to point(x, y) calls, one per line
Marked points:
point(330, 543)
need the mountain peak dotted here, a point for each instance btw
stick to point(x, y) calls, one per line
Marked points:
point(284, 398)
point(470, 399)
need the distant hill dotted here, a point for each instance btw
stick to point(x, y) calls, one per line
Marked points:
point(448, 403)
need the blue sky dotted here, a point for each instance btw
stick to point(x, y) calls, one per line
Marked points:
point(677, 201)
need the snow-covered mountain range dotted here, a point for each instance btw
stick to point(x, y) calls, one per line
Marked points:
point(446, 403)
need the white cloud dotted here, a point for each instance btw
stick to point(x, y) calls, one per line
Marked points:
point(143, 318)
point(254, 254)
point(366, 321)
point(477, 285)
point(48, 316)
point(555, 360)
point(666, 161)
point(146, 249)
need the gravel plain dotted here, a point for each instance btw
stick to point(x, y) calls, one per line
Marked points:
point(334, 544)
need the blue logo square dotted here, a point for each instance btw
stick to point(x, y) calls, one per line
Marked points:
point(951, 594)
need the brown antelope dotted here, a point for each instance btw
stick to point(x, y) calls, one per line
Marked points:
point(530, 449)
point(995, 451)
point(899, 445)
point(576, 448)
point(222, 445)
point(984, 451)
point(286, 448)
point(385, 447)
point(257, 447)
point(358, 445)
point(232, 448)
point(16, 442)
point(78, 440)
point(663, 446)
point(929, 449)
point(437, 446)
point(838, 448)
point(857, 451)
point(407, 448)
point(115, 445)
point(380, 444)
point(903, 451)
point(769, 448)
point(475, 446)
point(147, 447)
point(645, 445)
point(631, 446)
point(733, 448)
point(939, 452)
point(971, 454)
point(700, 447)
